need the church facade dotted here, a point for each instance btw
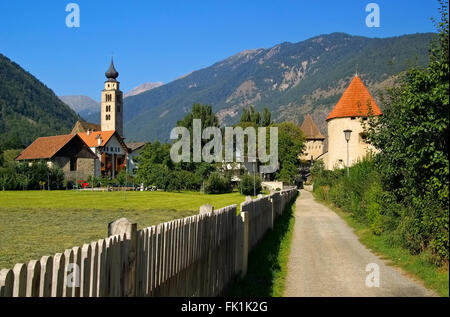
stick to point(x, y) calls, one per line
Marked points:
point(91, 149)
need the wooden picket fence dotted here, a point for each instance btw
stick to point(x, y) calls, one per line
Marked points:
point(201, 255)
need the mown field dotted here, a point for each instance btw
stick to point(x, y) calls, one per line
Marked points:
point(38, 223)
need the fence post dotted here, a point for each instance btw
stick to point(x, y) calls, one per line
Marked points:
point(206, 209)
point(20, 280)
point(45, 287)
point(33, 278)
point(6, 283)
point(245, 223)
point(122, 226)
point(272, 206)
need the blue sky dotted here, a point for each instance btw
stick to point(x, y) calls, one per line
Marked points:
point(162, 40)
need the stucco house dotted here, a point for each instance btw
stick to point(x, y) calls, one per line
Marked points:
point(69, 152)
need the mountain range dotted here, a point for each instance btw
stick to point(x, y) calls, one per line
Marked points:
point(89, 109)
point(28, 108)
point(85, 106)
point(291, 79)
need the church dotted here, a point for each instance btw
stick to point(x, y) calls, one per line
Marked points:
point(354, 106)
point(90, 149)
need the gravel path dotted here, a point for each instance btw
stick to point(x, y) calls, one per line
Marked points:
point(328, 260)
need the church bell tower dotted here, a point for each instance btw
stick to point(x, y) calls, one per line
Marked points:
point(112, 102)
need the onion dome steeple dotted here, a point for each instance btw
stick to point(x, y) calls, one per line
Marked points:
point(112, 73)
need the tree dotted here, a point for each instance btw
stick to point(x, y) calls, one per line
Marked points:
point(412, 136)
point(250, 185)
point(267, 118)
point(249, 115)
point(291, 142)
point(9, 156)
point(217, 184)
point(122, 178)
point(202, 112)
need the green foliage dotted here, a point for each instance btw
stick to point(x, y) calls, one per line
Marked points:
point(9, 156)
point(217, 184)
point(157, 169)
point(122, 178)
point(22, 176)
point(250, 185)
point(202, 112)
point(267, 117)
point(412, 136)
point(291, 142)
point(364, 195)
point(28, 109)
point(250, 115)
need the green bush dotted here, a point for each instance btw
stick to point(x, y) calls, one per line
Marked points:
point(418, 224)
point(22, 176)
point(250, 185)
point(217, 184)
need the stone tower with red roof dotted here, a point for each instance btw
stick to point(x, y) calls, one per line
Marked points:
point(314, 139)
point(355, 106)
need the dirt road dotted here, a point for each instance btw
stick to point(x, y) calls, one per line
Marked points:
point(328, 260)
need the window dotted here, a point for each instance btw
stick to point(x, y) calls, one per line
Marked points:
point(73, 164)
point(118, 108)
point(353, 118)
point(108, 117)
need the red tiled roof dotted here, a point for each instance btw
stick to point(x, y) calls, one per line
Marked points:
point(310, 129)
point(355, 102)
point(45, 147)
point(92, 139)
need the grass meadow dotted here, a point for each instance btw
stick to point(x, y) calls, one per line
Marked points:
point(38, 223)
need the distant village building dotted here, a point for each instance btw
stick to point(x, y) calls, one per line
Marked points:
point(314, 146)
point(83, 126)
point(134, 149)
point(355, 105)
point(69, 152)
point(110, 149)
point(91, 149)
